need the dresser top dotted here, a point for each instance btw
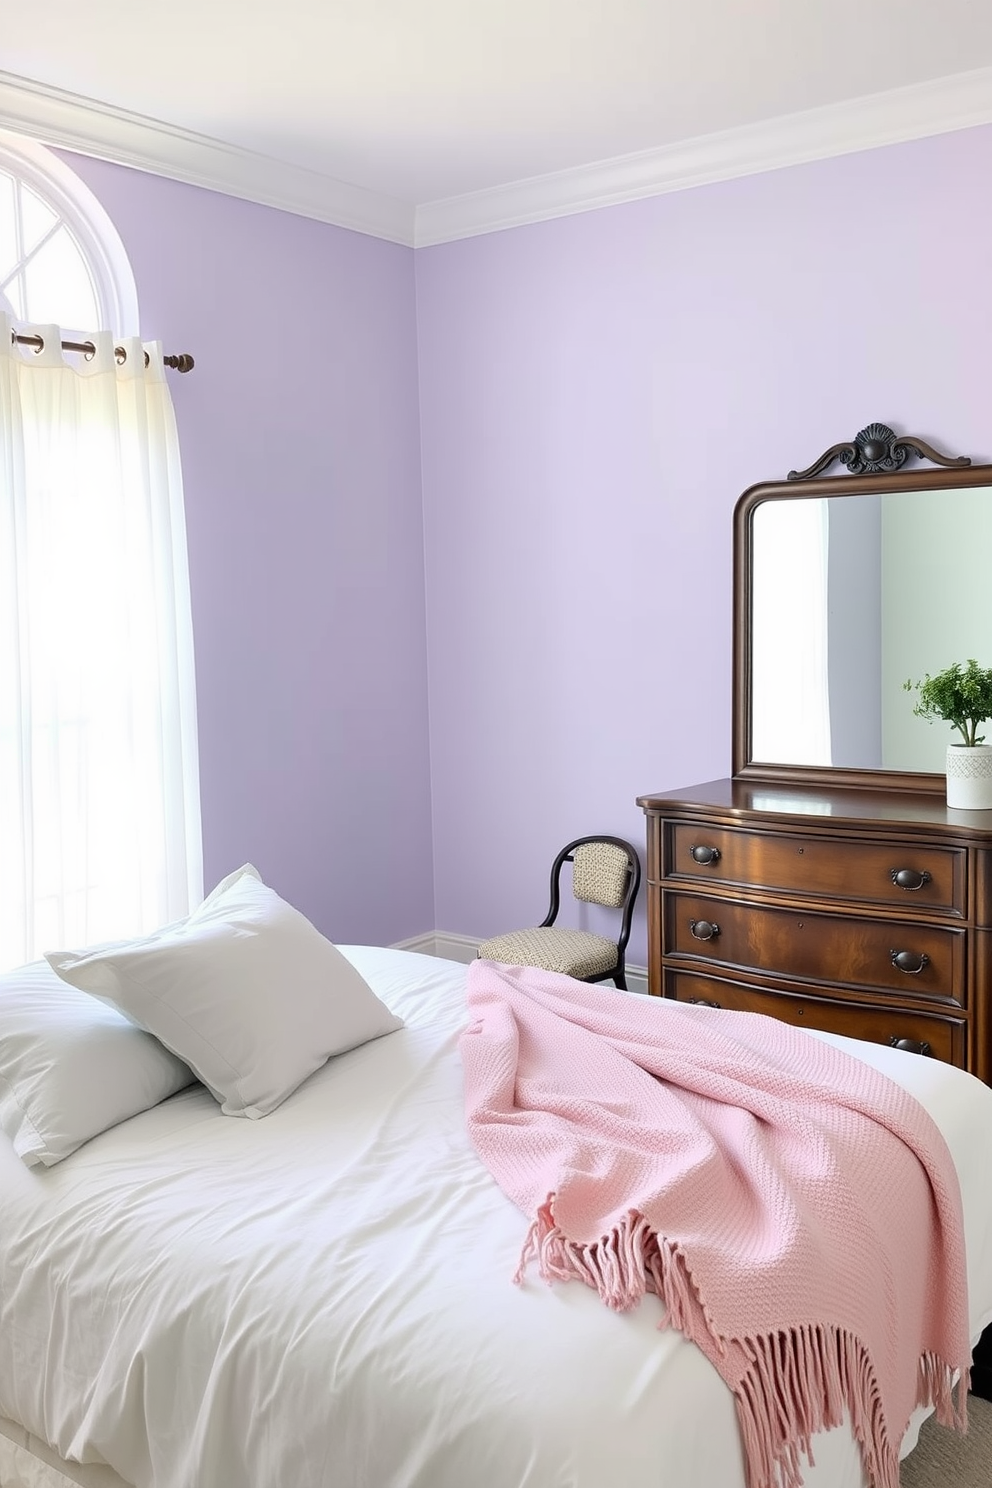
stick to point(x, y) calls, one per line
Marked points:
point(753, 799)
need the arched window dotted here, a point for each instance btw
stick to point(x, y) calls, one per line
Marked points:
point(61, 258)
point(99, 792)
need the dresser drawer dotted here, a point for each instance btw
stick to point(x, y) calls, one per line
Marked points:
point(943, 1038)
point(910, 959)
point(925, 877)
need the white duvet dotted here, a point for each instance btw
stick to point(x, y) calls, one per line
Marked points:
point(322, 1299)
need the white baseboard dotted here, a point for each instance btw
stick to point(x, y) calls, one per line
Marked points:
point(425, 944)
point(454, 947)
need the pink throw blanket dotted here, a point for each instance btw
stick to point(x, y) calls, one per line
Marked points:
point(797, 1213)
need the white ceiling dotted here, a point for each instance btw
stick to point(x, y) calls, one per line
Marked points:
point(415, 102)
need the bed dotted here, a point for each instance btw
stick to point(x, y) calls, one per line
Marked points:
point(324, 1296)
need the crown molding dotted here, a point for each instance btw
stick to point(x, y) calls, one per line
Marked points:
point(68, 121)
point(57, 118)
point(900, 114)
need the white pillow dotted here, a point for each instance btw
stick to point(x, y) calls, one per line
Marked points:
point(71, 1067)
point(245, 990)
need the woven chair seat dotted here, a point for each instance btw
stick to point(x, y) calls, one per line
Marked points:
point(576, 953)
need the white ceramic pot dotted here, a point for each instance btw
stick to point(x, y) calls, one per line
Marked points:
point(969, 777)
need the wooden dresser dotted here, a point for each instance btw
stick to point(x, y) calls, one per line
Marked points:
point(858, 911)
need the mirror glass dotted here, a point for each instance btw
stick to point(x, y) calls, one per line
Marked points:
point(850, 596)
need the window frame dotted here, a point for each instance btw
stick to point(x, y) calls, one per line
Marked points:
point(98, 239)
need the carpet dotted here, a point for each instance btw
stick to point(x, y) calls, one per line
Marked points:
point(944, 1459)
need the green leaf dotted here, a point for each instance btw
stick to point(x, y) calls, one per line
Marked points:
point(960, 695)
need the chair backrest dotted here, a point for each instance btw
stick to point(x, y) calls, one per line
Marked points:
point(600, 872)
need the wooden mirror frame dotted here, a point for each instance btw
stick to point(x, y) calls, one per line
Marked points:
point(874, 459)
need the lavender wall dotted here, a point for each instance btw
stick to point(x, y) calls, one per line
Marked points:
point(299, 432)
point(596, 392)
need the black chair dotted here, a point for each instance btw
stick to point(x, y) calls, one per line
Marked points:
point(605, 870)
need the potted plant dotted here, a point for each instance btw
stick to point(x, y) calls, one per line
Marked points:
point(962, 697)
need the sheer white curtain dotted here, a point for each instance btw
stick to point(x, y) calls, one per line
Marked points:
point(99, 790)
point(790, 681)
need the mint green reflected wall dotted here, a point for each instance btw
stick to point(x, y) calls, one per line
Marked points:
point(936, 569)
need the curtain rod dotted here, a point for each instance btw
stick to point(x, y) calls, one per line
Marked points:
point(182, 362)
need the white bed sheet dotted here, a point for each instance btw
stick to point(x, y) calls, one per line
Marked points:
point(324, 1297)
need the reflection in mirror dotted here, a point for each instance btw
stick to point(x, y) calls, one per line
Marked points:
point(850, 597)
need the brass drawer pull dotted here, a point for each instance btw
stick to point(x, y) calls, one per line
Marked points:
point(912, 1046)
point(911, 962)
point(703, 929)
point(909, 878)
point(702, 1002)
point(705, 854)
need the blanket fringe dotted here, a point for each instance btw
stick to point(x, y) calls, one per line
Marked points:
point(627, 1262)
point(794, 1384)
